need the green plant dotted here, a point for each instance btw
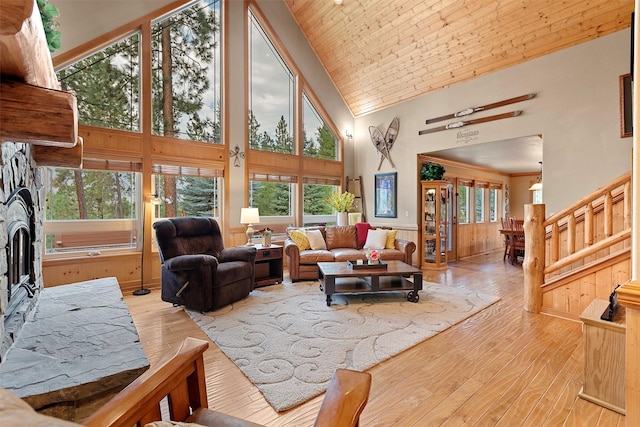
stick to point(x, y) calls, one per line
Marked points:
point(341, 202)
point(432, 171)
point(48, 12)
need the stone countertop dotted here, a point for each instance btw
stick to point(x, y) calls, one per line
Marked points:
point(81, 342)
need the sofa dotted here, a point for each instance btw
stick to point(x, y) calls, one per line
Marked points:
point(341, 243)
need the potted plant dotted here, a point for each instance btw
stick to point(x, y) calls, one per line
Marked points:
point(341, 203)
point(432, 171)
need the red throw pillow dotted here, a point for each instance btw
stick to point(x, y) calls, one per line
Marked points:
point(362, 229)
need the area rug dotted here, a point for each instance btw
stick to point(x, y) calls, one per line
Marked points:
point(287, 341)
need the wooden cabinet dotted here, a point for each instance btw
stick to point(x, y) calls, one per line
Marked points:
point(268, 268)
point(604, 357)
point(434, 228)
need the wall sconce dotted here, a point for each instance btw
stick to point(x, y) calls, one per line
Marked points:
point(155, 200)
point(348, 134)
point(249, 216)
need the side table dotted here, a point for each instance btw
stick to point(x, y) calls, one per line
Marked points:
point(268, 269)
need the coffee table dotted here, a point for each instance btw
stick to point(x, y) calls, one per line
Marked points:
point(340, 277)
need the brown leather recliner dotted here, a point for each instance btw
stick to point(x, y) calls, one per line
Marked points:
point(197, 270)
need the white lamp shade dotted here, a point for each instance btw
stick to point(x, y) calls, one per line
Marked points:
point(536, 187)
point(249, 216)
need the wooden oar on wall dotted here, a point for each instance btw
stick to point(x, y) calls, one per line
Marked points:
point(460, 124)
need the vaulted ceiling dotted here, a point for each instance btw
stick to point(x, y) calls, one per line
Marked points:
point(382, 52)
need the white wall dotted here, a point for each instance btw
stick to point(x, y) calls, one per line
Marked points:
point(576, 111)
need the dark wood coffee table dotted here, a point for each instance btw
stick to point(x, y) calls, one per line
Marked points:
point(340, 277)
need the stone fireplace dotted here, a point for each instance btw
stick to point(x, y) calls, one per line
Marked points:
point(65, 349)
point(21, 202)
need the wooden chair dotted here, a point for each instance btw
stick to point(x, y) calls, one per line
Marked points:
point(506, 226)
point(517, 239)
point(181, 378)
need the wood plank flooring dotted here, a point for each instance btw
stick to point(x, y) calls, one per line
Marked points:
point(501, 367)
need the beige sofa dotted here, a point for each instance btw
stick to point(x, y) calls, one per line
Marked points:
point(342, 245)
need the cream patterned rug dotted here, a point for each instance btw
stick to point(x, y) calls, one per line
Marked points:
point(287, 341)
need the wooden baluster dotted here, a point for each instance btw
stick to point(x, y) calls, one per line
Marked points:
point(627, 205)
point(588, 225)
point(555, 242)
point(608, 215)
point(571, 233)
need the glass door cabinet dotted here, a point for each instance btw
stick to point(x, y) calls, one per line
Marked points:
point(435, 226)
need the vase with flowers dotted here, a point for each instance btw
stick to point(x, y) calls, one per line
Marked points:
point(372, 256)
point(265, 233)
point(341, 203)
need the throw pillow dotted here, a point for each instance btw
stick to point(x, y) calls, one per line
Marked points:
point(391, 239)
point(362, 228)
point(316, 240)
point(376, 239)
point(300, 239)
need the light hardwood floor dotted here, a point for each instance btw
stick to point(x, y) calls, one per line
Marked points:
point(503, 366)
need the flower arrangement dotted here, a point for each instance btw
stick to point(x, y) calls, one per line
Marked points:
point(341, 202)
point(372, 256)
point(266, 231)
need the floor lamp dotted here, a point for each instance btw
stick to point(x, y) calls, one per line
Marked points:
point(155, 201)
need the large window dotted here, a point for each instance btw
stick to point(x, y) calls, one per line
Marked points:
point(107, 86)
point(272, 194)
point(317, 139)
point(186, 74)
point(271, 94)
point(186, 191)
point(91, 210)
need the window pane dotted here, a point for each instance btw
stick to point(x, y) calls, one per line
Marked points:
point(187, 196)
point(271, 95)
point(318, 140)
point(493, 205)
point(479, 205)
point(315, 196)
point(271, 198)
point(107, 86)
point(186, 74)
point(463, 204)
point(89, 209)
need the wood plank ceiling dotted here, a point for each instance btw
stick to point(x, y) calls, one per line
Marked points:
point(382, 52)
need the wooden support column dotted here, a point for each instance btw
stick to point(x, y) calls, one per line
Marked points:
point(629, 293)
point(533, 264)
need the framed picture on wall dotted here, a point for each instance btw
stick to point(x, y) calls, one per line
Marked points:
point(386, 195)
point(626, 110)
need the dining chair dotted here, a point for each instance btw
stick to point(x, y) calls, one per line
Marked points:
point(517, 239)
point(506, 226)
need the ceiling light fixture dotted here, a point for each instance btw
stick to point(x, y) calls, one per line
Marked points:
point(538, 184)
point(338, 2)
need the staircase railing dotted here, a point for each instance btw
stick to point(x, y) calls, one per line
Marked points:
point(595, 228)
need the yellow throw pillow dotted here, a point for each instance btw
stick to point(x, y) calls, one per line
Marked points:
point(391, 239)
point(300, 239)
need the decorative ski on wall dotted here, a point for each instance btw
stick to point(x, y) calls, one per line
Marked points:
point(482, 108)
point(471, 122)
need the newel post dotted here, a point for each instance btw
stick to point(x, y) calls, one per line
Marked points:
point(533, 264)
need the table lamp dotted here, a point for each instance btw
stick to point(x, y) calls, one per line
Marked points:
point(249, 216)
